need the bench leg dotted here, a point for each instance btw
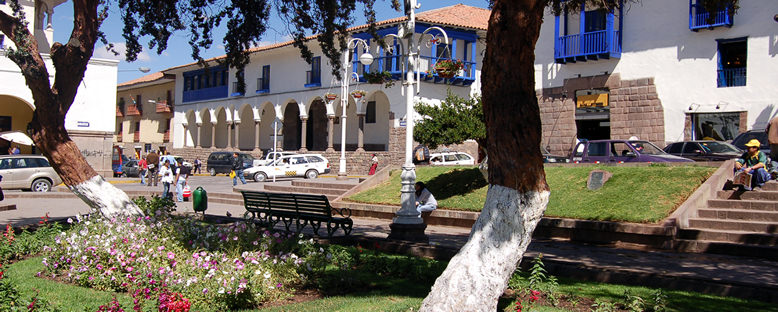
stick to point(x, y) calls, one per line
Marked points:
point(347, 226)
point(316, 225)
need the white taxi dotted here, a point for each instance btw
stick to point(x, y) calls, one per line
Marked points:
point(451, 159)
point(297, 165)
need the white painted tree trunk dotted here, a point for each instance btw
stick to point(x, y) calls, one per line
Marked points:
point(479, 273)
point(105, 198)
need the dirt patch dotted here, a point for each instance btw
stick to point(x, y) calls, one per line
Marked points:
point(302, 295)
point(565, 302)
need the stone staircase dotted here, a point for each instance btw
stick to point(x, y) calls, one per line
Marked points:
point(735, 223)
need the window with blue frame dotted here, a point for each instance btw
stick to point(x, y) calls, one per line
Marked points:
point(313, 76)
point(236, 90)
point(205, 84)
point(595, 20)
point(370, 112)
point(443, 51)
point(733, 54)
point(263, 83)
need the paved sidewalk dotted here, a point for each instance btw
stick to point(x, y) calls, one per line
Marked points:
point(716, 274)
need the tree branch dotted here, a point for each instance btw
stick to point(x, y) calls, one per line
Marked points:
point(27, 56)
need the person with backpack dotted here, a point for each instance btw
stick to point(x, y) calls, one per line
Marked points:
point(182, 174)
point(152, 163)
point(421, 155)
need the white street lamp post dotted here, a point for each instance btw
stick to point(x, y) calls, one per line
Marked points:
point(408, 224)
point(365, 59)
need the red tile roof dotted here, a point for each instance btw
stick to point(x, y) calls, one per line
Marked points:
point(148, 78)
point(458, 15)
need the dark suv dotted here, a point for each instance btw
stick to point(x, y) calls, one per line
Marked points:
point(221, 162)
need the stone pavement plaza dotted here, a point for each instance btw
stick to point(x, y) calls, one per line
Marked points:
point(718, 274)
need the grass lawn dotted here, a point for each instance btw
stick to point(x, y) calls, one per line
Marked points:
point(368, 291)
point(633, 194)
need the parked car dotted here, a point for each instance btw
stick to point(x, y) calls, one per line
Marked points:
point(180, 160)
point(743, 138)
point(704, 150)
point(309, 166)
point(27, 172)
point(268, 159)
point(451, 159)
point(221, 162)
point(621, 151)
point(548, 158)
point(130, 169)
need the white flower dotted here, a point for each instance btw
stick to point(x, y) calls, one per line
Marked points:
point(267, 275)
point(257, 272)
point(221, 290)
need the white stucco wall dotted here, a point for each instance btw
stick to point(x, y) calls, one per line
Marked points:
point(657, 43)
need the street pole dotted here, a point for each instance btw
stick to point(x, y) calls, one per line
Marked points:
point(364, 59)
point(275, 145)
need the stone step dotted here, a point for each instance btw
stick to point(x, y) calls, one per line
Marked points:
point(281, 189)
point(758, 205)
point(725, 248)
point(741, 215)
point(746, 226)
point(735, 237)
point(323, 185)
point(770, 186)
point(307, 190)
point(750, 195)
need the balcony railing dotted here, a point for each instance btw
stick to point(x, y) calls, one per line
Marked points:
point(591, 45)
point(263, 85)
point(164, 107)
point(312, 79)
point(133, 110)
point(136, 136)
point(699, 18)
point(235, 91)
point(732, 77)
point(465, 76)
point(166, 136)
point(119, 111)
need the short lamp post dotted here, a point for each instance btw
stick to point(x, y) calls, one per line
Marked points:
point(365, 59)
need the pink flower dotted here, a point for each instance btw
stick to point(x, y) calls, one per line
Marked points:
point(171, 255)
point(161, 248)
point(129, 269)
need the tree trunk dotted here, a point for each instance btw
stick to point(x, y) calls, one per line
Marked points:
point(518, 194)
point(52, 103)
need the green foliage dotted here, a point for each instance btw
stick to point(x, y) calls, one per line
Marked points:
point(157, 206)
point(537, 274)
point(27, 243)
point(379, 77)
point(633, 303)
point(603, 306)
point(455, 120)
point(11, 301)
point(660, 301)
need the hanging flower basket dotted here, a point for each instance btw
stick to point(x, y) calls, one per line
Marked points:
point(381, 77)
point(358, 94)
point(330, 96)
point(448, 68)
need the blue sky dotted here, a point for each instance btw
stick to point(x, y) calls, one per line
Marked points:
point(179, 52)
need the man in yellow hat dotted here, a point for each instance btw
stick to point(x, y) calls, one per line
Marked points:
point(753, 162)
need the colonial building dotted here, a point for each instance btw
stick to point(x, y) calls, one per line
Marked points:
point(144, 113)
point(88, 121)
point(211, 113)
point(659, 70)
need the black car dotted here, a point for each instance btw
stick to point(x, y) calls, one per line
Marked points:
point(743, 138)
point(221, 162)
point(704, 150)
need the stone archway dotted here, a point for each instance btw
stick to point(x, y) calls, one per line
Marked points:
point(316, 132)
point(246, 129)
point(292, 127)
point(15, 114)
point(206, 130)
point(221, 128)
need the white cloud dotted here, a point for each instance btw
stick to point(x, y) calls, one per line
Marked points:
point(121, 48)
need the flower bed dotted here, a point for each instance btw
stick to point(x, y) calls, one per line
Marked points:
point(222, 267)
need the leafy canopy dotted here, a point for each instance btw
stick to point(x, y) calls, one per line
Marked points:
point(455, 120)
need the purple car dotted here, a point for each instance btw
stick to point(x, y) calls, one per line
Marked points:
point(621, 151)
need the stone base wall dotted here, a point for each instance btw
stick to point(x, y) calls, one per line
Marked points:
point(97, 148)
point(635, 110)
point(129, 148)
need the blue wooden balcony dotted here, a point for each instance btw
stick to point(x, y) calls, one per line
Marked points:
point(588, 46)
point(205, 94)
point(732, 77)
point(698, 17)
point(201, 85)
point(465, 77)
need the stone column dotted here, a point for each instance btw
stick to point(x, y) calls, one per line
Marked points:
point(229, 135)
point(185, 132)
point(237, 135)
point(256, 135)
point(303, 134)
point(213, 135)
point(197, 143)
point(330, 133)
point(361, 133)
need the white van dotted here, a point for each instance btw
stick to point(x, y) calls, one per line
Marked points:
point(309, 166)
point(451, 159)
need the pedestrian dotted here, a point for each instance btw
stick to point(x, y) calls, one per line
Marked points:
point(424, 200)
point(152, 163)
point(142, 167)
point(772, 137)
point(182, 174)
point(237, 168)
point(197, 165)
point(14, 150)
point(373, 164)
point(753, 162)
point(166, 177)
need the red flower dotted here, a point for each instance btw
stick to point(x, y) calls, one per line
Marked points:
point(518, 306)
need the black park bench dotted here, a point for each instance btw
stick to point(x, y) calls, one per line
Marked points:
point(296, 209)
